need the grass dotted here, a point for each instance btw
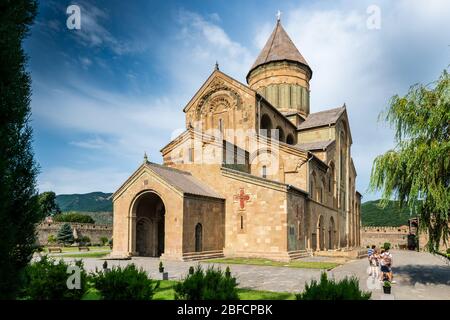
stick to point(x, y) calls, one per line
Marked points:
point(166, 292)
point(75, 249)
point(86, 255)
point(73, 252)
point(272, 263)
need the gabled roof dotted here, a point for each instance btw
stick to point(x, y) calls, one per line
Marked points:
point(183, 181)
point(317, 145)
point(224, 77)
point(180, 180)
point(322, 118)
point(279, 47)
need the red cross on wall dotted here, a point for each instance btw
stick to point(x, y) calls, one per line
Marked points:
point(242, 197)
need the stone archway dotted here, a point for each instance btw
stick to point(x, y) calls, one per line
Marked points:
point(149, 210)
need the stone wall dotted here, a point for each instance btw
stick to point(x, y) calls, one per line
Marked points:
point(396, 236)
point(93, 231)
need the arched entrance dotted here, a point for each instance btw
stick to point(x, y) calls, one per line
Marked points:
point(331, 234)
point(198, 237)
point(320, 233)
point(150, 211)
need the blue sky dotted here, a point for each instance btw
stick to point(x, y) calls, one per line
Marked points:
point(104, 94)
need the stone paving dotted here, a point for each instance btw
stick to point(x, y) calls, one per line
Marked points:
point(418, 275)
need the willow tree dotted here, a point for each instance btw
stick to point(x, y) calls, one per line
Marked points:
point(416, 172)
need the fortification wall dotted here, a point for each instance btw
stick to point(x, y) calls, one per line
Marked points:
point(93, 231)
point(396, 236)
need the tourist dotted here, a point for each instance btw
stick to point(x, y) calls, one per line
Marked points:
point(374, 264)
point(381, 265)
point(387, 261)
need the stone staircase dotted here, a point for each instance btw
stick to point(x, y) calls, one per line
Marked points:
point(194, 256)
point(294, 255)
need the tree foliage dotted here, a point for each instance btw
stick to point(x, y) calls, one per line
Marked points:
point(212, 284)
point(73, 217)
point(417, 171)
point(65, 234)
point(47, 203)
point(19, 211)
point(330, 289)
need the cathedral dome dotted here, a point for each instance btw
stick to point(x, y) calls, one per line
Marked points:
point(281, 74)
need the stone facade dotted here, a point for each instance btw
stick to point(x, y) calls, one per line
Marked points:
point(253, 175)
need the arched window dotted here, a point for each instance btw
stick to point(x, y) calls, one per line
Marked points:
point(264, 171)
point(280, 134)
point(198, 237)
point(221, 126)
point(266, 125)
point(290, 139)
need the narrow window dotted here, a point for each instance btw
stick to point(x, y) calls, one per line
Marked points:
point(242, 222)
point(191, 154)
point(264, 172)
point(221, 126)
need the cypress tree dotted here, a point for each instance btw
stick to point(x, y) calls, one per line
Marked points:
point(19, 210)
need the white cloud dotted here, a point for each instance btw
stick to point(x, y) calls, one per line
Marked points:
point(350, 63)
point(64, 180)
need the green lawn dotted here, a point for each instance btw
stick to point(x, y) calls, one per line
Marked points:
point(73, 252)
point(271, 263)
point(75, 249)
point(166, 292)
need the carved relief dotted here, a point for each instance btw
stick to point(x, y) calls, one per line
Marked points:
point(219, 95)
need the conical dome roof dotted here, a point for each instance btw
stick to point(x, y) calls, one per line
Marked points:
point(279, 47)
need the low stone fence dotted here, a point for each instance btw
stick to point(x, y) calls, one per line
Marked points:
point(91, 230)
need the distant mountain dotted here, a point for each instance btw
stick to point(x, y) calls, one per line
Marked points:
point(392, 215)
point(99, 206)
point(88, 202)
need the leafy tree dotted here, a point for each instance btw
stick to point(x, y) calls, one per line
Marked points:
point(73, 217)
point(19, 211)
point(417, 171)
point(65, 234)
point(104, 240)
point(47, 203)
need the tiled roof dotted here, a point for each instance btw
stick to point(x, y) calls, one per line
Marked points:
point(322, 118)
point(183, 181)
point(279, 47)
point(317, 145)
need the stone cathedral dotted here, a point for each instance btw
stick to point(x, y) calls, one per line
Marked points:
point(254, 174)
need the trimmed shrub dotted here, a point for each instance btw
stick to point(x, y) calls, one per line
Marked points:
point(211, 284)
point(346, 289)
point(65, 234)
point(73, 217)
point(84, 240)
point(47, 280)
point(386, 246)
point(104, 240)
point(448, 250)
point(128, 283)
point(52, 239)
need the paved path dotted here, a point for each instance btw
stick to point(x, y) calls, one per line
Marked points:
point(419, 275)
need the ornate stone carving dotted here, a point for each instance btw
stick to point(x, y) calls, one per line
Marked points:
point(218, 94)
